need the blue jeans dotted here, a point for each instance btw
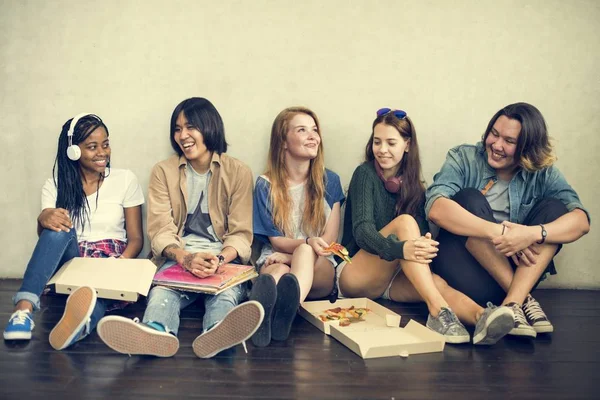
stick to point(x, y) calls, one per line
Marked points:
point(165, 304)
point(52, 250)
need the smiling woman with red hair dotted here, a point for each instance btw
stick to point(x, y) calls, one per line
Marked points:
point(296, 216)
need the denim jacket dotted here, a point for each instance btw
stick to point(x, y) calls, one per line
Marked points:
point(466, 166)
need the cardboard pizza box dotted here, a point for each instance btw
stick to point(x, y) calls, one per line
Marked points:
point(379, 335)
point(117, 279)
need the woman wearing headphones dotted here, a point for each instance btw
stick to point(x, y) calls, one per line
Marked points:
point(88, 210)
point(385, 233)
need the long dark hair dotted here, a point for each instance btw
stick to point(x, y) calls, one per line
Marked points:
point(412, 191)
point(67, 175)
point(534, 149)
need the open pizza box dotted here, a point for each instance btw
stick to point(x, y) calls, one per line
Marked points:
point(379, 335)
point(117, 279)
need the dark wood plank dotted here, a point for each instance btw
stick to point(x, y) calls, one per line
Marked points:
point(563, 365)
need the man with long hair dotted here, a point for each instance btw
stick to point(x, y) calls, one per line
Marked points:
point(504, 211)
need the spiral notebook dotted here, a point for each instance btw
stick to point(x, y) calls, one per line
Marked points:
point(227, 276)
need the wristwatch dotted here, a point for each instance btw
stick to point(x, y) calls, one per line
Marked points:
point(544, 234)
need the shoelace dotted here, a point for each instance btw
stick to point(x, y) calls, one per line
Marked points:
point(533, 310)
point(519, 316)
point(447, 318)
point(20, 317)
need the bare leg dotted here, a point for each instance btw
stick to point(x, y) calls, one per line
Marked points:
point(414, 283)
point(517, 283)
point(303, 266)
point(323, 279)
point(525, 277)
point(275, 270)
point(494, 262)
point(24, 305)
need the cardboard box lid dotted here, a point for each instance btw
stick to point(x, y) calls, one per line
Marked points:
point(118, 279)
point(379, 335)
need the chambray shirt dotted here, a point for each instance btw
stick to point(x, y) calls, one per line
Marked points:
point(466, 166)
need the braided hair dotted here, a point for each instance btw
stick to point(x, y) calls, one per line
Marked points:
point(66, 172)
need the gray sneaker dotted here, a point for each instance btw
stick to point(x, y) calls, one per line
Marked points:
point(493, 325)
point(448, 325)
point(521, 327)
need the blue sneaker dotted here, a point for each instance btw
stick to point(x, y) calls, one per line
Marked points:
point(74, 324)
point(19, 326)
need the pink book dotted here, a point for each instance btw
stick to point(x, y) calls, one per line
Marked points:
point(179, 277)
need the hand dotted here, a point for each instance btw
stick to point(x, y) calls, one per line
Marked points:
point(516, 238)
point(527, 257)
point(56, 219)
point(319, 245)
point(421, 250)
point(279, 258)
point(201, 264)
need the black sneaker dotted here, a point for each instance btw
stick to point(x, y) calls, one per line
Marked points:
point(286, 307)
point(522, 327)
point(264, 291)
point(536, 317)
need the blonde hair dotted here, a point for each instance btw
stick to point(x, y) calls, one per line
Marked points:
point(313, 216)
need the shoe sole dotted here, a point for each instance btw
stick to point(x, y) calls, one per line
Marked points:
point(457, 339)
point(531, 333)
point(286, 307)
point(546, 328)
point(125, 336)
point(78, 309)
point(237, 327)
point(265, 292)
point(17, 336)
point(498, 325)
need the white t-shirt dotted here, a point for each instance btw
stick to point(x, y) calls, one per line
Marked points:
point(119, 190)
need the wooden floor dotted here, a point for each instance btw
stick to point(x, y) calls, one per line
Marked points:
point(310, 365)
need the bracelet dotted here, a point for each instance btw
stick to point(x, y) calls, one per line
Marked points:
point(306, 240)
point(503, 228)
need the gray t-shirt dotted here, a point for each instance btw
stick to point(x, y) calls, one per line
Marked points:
point(199, 234)
point(497, 196)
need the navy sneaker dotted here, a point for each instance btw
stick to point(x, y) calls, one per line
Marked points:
point(19, 326)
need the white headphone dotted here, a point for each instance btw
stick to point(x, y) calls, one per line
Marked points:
point(73, 150)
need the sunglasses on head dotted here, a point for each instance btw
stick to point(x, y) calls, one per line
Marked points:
point(400, 114)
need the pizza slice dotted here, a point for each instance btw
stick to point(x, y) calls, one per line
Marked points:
point(339, 251)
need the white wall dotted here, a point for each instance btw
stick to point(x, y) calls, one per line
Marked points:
point(450, 64)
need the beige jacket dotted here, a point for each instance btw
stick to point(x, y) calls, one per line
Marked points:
point(229, 204)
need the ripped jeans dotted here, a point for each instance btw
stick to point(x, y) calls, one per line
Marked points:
point(165, 304)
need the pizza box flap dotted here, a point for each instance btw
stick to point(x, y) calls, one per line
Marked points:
point(379, 335)
point(117, 279)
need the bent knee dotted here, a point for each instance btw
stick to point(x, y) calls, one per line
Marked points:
point(57, 237)
point(406, 224)
point(275, 269)
point(303, 248)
